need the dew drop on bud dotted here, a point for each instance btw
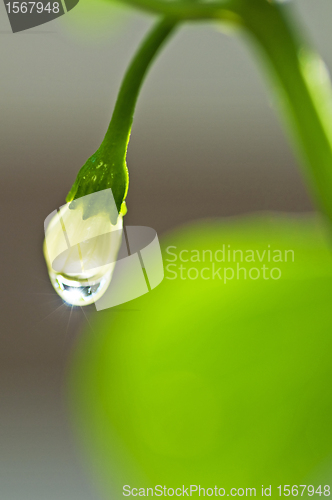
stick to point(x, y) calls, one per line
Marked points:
point(81, 253)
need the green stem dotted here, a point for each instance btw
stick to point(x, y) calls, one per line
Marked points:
point(304, 89)
point(107, 167)
point(118, 133)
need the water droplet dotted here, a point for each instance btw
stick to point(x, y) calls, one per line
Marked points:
point(81, 254)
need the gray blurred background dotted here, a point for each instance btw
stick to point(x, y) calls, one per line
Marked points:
point(205, 143)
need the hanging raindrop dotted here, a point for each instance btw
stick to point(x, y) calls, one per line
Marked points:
point(81, 253)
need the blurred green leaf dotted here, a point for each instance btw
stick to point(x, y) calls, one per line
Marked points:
point(205, 383)
point(96, 21)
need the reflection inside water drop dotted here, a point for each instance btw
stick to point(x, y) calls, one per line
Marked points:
point(82, 292)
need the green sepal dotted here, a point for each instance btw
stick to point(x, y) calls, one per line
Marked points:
point(101, 171)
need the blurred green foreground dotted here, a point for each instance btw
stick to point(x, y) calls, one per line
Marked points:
point(205, 383)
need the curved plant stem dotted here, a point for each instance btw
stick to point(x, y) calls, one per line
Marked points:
point(304, 90)
point(303, 87)
point(118, 133)
point(107, 167)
